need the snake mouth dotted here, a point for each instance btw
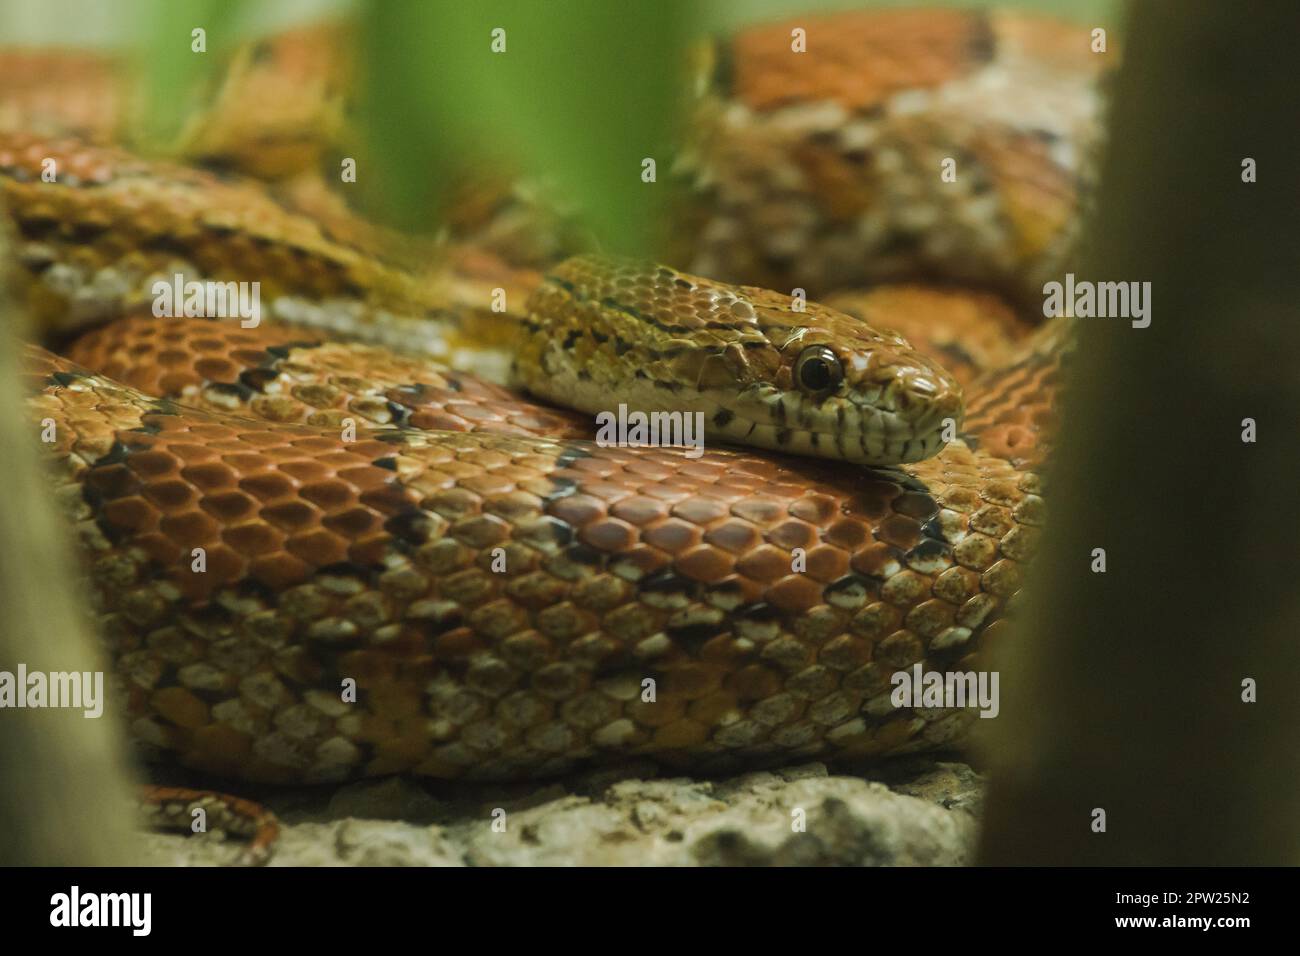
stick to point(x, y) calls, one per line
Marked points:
point(875, 429)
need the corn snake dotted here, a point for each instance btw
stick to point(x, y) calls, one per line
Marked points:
point(373, 561)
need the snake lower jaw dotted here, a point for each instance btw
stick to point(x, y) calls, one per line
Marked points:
point(884, 450)
point(882, 432)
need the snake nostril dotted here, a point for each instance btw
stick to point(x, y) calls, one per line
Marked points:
point(923, 387)
point(911, 393)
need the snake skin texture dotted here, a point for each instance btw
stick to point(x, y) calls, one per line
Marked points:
point(315, 559)
point(818, 170)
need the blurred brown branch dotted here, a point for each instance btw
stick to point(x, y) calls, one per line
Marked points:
point(64, 796)
point(1123, 690)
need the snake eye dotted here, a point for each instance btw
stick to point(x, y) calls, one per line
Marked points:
point(817, 371)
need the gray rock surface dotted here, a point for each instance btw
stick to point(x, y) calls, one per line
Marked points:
point(918, 811)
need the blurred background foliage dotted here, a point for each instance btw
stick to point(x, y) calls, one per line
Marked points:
point(584, 92)
point(581, 95)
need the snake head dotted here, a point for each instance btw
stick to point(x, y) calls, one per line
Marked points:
point(818, 382)
point(765, 370)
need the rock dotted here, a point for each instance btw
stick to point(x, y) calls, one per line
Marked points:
point(914, 812)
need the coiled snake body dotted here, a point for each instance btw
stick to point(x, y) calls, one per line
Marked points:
point(314, 560)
